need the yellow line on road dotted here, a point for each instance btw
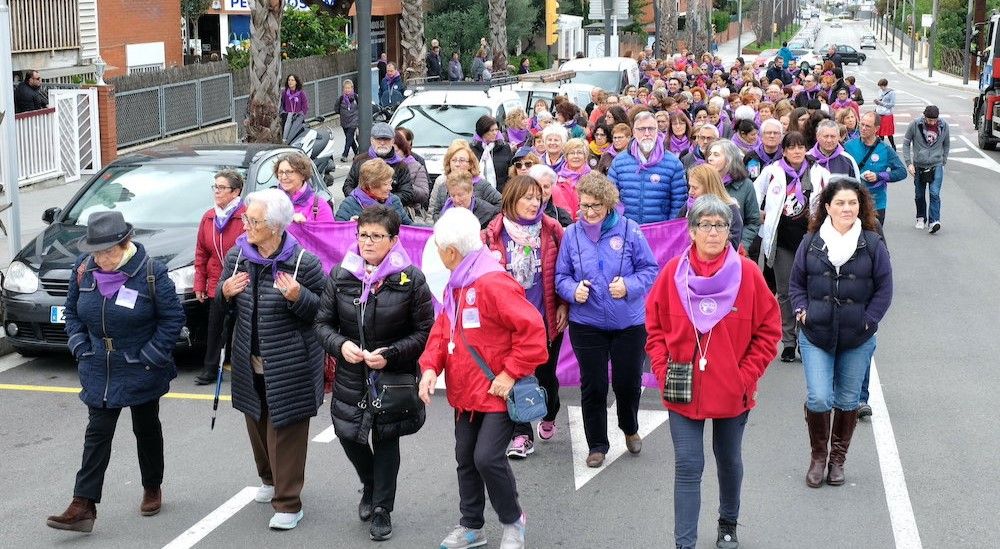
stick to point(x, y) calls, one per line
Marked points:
point(56, 389)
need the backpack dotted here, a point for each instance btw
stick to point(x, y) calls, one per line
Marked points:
point(150, 278)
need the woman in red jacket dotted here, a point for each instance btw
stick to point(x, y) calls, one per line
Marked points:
point(713, 328)
point(526, 242)
point(486, 310)
point(216, 235)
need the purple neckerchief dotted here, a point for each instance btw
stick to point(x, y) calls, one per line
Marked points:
point(472, 267)
point(699, 156)
point(852, 90)
point(559, 163)
point(572, 176)
point(479, 139)
point(795, 186)
point(450, 203)
point(538, 217)
point(768, 159)
point(853, 134)
point(655, 155)
point(303, 196)
point(221, 222)
point(410, 160)
point(347, 98)
point(293, 100)
point(109, 283)
point(594, 231)
point(690, 202)
point(517, 136)
point(679, 146)
point(743, 145)
point(394, 262)
point(364, 199)
point(710, 297)
point(392, 160)
point(838, 104)
point(821, 158)
point(612, 151)
point(811, 92)
point(570, 126)
point(250, 252)
point(727, 180)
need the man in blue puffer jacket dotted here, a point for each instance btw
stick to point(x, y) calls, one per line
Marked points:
point(650, 179)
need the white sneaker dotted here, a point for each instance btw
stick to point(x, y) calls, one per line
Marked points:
point(264, 494)
point(513, 535)
point(285, 521)
point(920, 223)
point(934, 227)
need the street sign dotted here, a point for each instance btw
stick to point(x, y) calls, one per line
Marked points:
point(927, 20)
point(620, 10)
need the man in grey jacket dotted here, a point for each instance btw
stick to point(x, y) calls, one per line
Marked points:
point(925, 152)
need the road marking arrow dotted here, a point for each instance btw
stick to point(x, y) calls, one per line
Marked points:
point(649, 420)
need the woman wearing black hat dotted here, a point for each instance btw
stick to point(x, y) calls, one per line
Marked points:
point(123, 319)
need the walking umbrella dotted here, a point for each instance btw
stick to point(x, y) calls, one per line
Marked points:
point(215, 403)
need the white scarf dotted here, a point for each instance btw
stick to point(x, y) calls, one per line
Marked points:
point(223, 212)
point(840, 247)
point(486, 166)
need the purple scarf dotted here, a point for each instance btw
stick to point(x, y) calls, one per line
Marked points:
point(821, 158)
point(795, 185)
point(517, 137)
point(392, 160)
point(559, 163)
point(450, 203)
point(699, 156)
point(679, 145)
point(472, 267)
point(690, 202)
point(250, 252)
point(655, 156)
point(303, 196)
point(838, 104)
point(712, 297)
point(364, 199)
point(294, 100)
point(394, 262)
point(571, 176)
point(743, 145)
point(347, 98)
point(767, 159)
point(109, 283)
point(593, 231)
point(727, 180)
point(221, 222)
point(479, 139)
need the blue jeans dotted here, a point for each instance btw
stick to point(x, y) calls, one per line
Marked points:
point(689, 463)
point(834, 380)
point(935, 192)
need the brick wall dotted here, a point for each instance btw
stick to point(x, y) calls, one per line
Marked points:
point(123, 22)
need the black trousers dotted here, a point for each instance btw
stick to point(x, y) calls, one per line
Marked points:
point(480, 450)
point(377, 466)
point(546, 374)
point(215, 339)
point(626, 350)
point(350, 141)
point(97, 447)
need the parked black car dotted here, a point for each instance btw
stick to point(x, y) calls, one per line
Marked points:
point(163, 192)
point(847, 54)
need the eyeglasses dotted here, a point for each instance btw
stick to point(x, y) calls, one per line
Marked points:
point(646, 129)
point(285, 173)
point(708, 228)
point(250, 222)
point(523, 165)
point(619, 137)
point(704, 137)
point(374, 238)
point(221, 188)
point(590, 207)
point(460, 160)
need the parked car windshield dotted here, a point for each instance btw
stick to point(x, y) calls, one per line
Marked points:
point(606, 80)
point(149, 195)
point(439, 125)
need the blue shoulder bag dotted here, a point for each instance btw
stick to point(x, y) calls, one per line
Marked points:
point(526, 401)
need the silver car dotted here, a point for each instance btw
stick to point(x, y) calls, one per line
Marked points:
point(867, 41)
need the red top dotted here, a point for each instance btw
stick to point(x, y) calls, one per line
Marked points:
point(211, 248)
point(742, 345)
point(510, 337)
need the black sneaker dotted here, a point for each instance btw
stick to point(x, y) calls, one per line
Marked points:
point(864, 410)
point(365, 505)
point(381, 528)
point(727, 536)
point(788, 354)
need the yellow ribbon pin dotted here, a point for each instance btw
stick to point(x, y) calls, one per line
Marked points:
point(403, 279)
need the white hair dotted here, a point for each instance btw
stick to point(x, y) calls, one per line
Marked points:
point(708, 125)
point(556, 129)
point(724, 93)
point(772, 122)
point(538, 172)
point(277, 205)
point(458, 228)
point(717, 101)
point(544, 116)
point(744, 112)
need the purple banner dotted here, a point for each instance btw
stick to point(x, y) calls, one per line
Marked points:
point(330, 241)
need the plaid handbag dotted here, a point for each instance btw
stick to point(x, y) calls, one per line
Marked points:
point(679, 383)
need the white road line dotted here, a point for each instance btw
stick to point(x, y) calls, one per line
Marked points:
point(326, 437)
point(214, 519)
point(12, 361)
point(992, 164)
point(897, 497)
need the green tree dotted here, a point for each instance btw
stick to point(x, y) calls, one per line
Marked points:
point(191, 11)
point(459, 24)
point(312, 32)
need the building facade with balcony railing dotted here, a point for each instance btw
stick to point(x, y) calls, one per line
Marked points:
point(58, 37)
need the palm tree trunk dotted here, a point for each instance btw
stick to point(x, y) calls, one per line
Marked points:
point(412, 40)
point(498, 33)
point(263, 124)
point(670, 31)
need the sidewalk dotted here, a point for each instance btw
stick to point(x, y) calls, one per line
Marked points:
point(727, 50)
point(919, 71)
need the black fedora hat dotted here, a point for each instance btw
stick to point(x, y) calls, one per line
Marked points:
point(104, 230)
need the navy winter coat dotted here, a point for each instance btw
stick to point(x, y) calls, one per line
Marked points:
point(293, 357)
point(843, 308)
point(653, 194)
point(138, 364)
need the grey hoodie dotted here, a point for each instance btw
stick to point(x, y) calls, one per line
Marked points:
point(924, 154)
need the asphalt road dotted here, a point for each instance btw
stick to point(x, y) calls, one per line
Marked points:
point(920, 474)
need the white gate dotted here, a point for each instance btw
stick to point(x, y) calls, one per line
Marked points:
point(78, 131)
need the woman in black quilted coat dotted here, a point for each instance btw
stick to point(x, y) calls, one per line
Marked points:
point(374, 317)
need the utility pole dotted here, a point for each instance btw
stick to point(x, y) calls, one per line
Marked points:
point(363, 22)
point(739, 32)
point(657, 10)
point(934, 37)
point(609, 12)
point(968, 44)
point(8, 151)
point(913, 25)
point(895, 11)
point(903, 39)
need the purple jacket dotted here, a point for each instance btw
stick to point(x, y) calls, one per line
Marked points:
point(622, 250)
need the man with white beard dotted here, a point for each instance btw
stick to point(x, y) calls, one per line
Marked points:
point(382, 147)
point(649, 177)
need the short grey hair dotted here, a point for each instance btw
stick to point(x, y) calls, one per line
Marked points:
point(643, 115)
point(277, 205)
point(826, 123)
point(772, 122)
point(538, 172)
point(708, 125)
point(458, 228)
point(744, 112)
point(734, 158)
point(706, 205)
point(544, 116)
point(556, 129)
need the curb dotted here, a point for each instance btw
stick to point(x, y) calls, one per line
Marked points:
point(905, 70)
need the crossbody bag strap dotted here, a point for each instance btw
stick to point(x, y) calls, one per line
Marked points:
point(871, 150)
point(151, 280)
point(478, 358)
point(295, 275)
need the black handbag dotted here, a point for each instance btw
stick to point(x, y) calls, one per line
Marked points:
point(388, 392)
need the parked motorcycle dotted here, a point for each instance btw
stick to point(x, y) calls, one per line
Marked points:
point(300, 132)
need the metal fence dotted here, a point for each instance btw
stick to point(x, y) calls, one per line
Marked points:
point(322, 93)
point(150, 114)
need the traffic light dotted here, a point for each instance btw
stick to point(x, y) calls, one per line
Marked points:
point(551, 22)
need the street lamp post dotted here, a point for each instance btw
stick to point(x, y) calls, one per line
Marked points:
point(363, 22)
point(903, 38)
point(913, 25)
point(739, 31)
point(934, 37)
point(968, 44)
point(895, 6)
point(8, 151)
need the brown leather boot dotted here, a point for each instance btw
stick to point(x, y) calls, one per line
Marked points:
point(150, 502)
point(78, 517)
point(819, 437)
point(840, 440)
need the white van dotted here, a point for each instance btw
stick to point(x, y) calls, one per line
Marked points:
point(611, 74)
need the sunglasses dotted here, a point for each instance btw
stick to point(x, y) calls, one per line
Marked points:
point(521, 165)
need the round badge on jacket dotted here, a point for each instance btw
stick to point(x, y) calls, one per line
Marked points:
point(708, 306)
